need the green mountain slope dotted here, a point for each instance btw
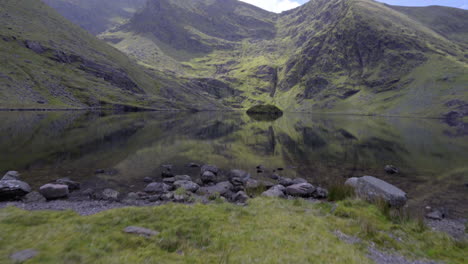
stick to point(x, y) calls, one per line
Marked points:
point(47, 62)
point(96, 16)
point(356, 56)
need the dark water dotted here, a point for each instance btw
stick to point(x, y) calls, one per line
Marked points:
point(432, 155)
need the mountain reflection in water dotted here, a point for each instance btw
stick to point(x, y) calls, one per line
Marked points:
point(324, 149)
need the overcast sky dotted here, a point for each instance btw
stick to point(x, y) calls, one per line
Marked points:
point(282, 5)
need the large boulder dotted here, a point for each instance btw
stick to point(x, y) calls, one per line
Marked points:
point(221, 188)
point(34, 197)
point(240, 197)
point(286, 181)
point(275, 191)
point(13, 189)
point(300, 190)
point(157, 188)
point(238, 177)
point(11, 175)
point(372, 188)
point(210, 168)
point(208, 177)
point(187, 185)
point(54, 191)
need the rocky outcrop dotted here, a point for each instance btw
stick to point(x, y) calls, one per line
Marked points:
point(372, 189)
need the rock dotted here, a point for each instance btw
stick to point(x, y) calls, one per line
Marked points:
point(210, 168)
point(34, 46)
point(286, 182)
point(141, 231)
point(13, 189)
point(148, 180)
point(187, 185)
point(169, 181)
point(100, 171)
point(167, 174)
point(132, 196)
point(208, 177)
point(154, 198)
point(372, 188)
point(54, 191)
point(435, 215)
point(72, 185)
point(34, 197)
point(193, 165)
point(221, 188)
point(240, 197)
point(390, 169)
point(275, 191)
point(167, 167)
point(320, 193)
point(275, 177)
point(110, 195)
point(238, 177)
point(300, 190)
point(167, 196)
point(280, 169)
point(183, 178)
point(11, 175)
point(158, 188)
point(180, 198)
point(353, 182)
point(23, 255)
point(298, 180)
point(252, 184)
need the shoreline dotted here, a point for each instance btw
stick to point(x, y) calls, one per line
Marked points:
point(137, 109)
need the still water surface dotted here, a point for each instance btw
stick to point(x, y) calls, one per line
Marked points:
point(432, 155)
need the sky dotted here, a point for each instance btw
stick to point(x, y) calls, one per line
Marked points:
point(282, 5)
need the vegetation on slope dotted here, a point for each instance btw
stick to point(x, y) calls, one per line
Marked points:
point(265, 231)
point(327, 56)
point(47, 62)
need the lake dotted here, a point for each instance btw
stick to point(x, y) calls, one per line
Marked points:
point(325, 149)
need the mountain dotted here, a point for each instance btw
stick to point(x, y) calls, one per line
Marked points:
point(96, 16)
point(48, 62)
point(353, 56)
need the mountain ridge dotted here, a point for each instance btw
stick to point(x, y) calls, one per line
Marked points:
point(353, 57)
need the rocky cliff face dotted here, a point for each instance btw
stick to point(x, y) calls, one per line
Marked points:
point(326, 56)
point(354, 56)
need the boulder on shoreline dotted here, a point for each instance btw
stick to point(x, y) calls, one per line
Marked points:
point(275, 191)
point(11, 175)
point(187, 185)
point(304, 190)
point(372, 188)
point(54, 191)
point(157, 188)
point(13, 189)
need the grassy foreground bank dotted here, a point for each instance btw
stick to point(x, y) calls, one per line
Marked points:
point(265, 231)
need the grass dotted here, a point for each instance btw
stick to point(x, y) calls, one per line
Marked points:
point(265, 231)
